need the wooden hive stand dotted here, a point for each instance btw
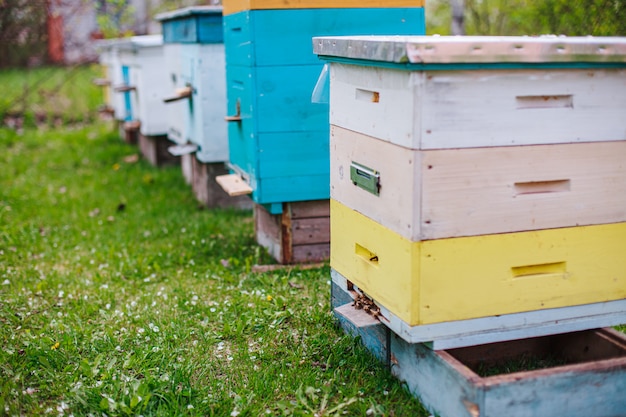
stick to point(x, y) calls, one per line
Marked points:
point(300, 234)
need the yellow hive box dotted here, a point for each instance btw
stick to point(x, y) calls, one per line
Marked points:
point(234, 6)
point(479, 276)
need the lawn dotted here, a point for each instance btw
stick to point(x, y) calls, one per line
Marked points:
point(49, 95)
point(120, 296)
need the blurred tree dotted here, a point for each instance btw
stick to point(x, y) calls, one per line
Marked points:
point(23, 33)
point(115, 17)
point(530, 17)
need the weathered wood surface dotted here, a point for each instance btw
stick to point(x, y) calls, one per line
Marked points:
point(233, 185)
point(463, 278)
point(281, 267)
point(436, 194)
point(461, 109)
point(186, 166)
point(461, 333)
point(449, 387)
point(300, 234)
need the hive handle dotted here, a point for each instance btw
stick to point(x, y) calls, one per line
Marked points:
point(365, 178)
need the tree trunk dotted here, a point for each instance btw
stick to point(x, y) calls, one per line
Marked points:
point(458, 23)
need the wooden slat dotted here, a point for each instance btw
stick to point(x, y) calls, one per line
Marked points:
point(233, 184)
point(463, 109)
point(308, 209)
point(311, 230)
point(289, 240)
point(234, 6)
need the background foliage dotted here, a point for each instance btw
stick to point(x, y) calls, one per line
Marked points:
point(532, 17)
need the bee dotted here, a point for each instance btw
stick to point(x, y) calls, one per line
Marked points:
point(362, 302)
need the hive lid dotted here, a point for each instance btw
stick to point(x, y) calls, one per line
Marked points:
point(189, 11)
point(473, 49)
point(139, 42)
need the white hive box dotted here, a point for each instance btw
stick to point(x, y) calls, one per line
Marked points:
point(447, 92)
point(148, 83)
point(109, 59)
point(197, 81)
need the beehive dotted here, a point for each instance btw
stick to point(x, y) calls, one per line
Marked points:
point(196, 79)
point(278, 137)
point(194, 45)
point(112, 76)
point(479, 178)
point(144, 82)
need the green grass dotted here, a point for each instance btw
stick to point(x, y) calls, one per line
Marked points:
point(50, 94)
point(118, 295)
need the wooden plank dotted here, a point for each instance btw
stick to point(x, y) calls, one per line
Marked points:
point(314, 252)
point(427, 374)
point(311, 230)
point(207, 190)
point(455, 334)
point(289, 240)
point(436, 194)
point(479, 276)
point(233, 184)
point(461, 109)
point(267, 230)
point(308, 209)
point(234, 6)
point(270, 268)
point(373, 335)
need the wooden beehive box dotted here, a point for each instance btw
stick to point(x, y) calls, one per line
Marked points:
point(112, 76)
point(197, 97)
point(278, 137)
point(196, 80)
point(146, 83)
point(496, 159)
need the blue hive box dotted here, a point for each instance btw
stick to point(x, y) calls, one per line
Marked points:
point(279, 138)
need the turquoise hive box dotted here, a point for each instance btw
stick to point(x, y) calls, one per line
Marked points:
point(278, 138)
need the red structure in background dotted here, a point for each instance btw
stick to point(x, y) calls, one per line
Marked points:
point(56, 40)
